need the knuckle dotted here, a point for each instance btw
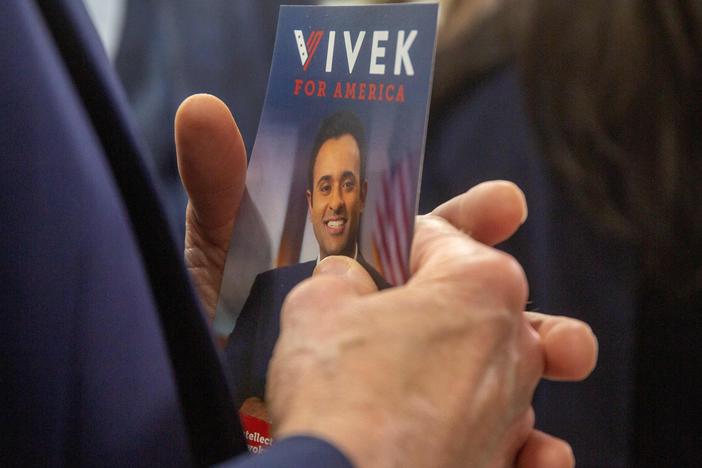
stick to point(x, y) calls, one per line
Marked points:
point(524, 423)
point(530, 418)
point(501, 325)
point(505, 276)
point(495, 276)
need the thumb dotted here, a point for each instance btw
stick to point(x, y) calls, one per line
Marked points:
point(211, 163)
point(310, 306)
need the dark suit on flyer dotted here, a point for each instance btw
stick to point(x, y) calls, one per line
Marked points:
point(107, 359)
point(257, 328)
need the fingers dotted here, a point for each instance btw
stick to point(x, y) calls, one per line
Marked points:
point(545, 451)
point(211, 160)
point(570, 346)
point(489, 212)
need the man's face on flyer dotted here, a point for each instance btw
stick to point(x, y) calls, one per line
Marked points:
point(338, 196)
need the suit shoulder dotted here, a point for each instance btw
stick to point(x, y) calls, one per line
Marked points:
point(296, 272)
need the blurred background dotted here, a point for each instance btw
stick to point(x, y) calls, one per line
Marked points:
point(591, 106)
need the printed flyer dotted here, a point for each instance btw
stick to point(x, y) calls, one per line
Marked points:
point(334, 171)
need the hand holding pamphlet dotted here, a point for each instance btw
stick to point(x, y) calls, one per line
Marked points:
point(334, 171)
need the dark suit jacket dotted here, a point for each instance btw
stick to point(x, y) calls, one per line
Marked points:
point(257, 328)
point(106, 357)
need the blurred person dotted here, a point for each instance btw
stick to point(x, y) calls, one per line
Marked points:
point(615, 92)
point(593, 109)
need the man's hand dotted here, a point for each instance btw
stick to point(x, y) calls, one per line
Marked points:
point(212, 166)
point(439, 372)
point(212, 163)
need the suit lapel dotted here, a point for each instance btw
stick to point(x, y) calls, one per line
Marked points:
point(205, 396)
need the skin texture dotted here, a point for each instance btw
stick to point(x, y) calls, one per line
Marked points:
point(438, 372)
point(212, 166)
point(450, 354)
point(338, 196)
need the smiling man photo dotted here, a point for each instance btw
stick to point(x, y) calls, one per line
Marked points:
point(336, 191)
point(337, 188)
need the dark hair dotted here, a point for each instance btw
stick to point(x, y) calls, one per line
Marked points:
point(335, 126)
point(615, 90)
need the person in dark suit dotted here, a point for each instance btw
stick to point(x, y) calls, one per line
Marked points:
point(107, 359)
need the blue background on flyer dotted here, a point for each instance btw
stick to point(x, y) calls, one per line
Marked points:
point(394, 130)
point(287, 67)
point(273, 228)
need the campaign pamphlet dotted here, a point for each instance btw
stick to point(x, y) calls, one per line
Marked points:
point(334, 171)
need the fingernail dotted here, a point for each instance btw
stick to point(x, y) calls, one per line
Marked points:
point(337, 266)
point(347, 269)
point(520, 193)
point(525, 207)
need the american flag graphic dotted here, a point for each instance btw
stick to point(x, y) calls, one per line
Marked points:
point(308, 48)
point(394, 212)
